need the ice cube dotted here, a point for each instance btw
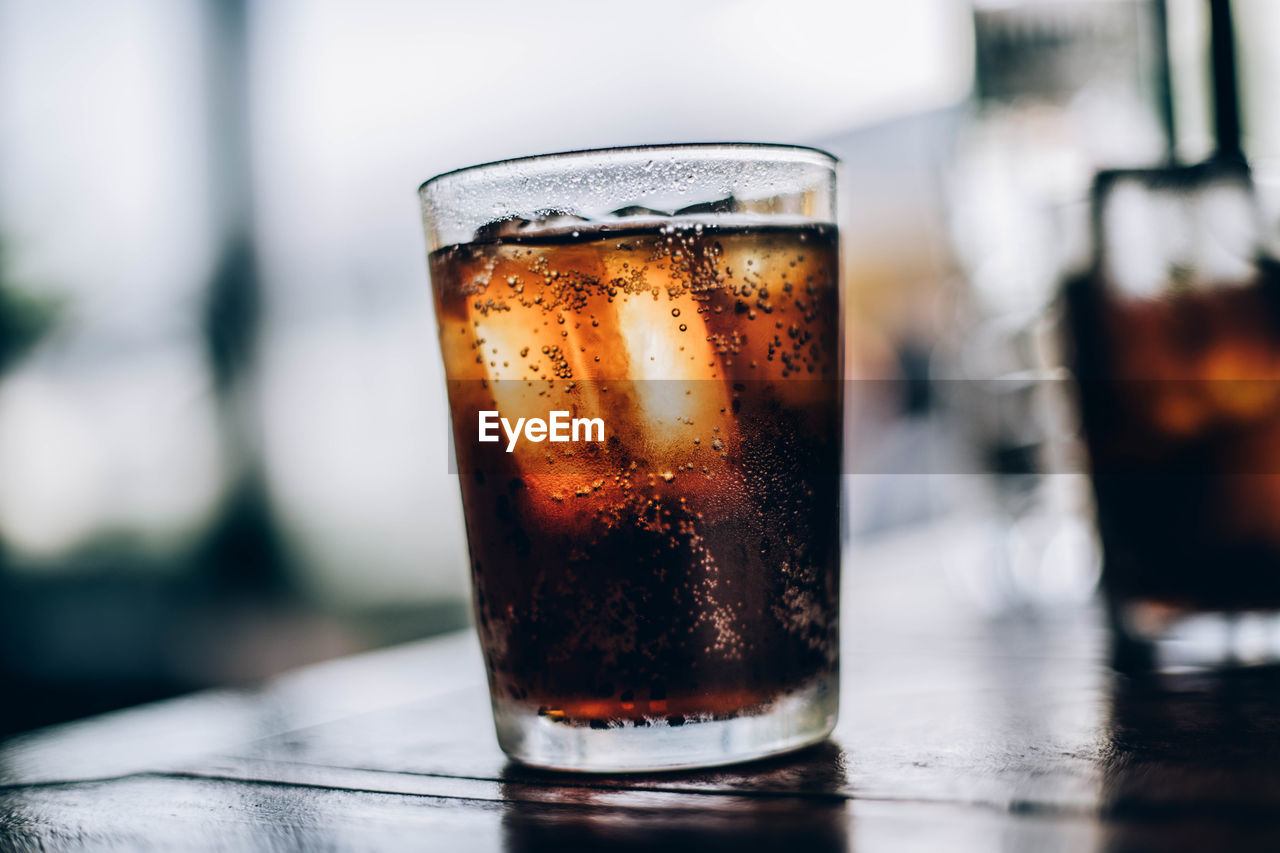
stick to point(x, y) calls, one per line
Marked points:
point(729, 204)
point(637, 210)
point(677, 394)
point(539, 220)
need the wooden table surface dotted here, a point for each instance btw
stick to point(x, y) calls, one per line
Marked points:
point(958, 731)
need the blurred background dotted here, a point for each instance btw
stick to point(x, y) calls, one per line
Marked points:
point(223, 446)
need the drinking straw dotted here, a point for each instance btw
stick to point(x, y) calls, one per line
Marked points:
point(1226, 96)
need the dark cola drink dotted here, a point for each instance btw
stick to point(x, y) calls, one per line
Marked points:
point(675, 561)
point(1180, 402)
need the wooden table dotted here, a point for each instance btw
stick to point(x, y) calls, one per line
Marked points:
point(958, 731)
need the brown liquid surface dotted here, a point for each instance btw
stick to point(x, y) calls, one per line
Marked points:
point(687, 566)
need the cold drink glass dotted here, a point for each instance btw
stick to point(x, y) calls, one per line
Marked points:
point(643, 356)
point(1174, 339)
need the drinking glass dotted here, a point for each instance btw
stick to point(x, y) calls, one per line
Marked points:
point(1174, 339)
point(643, 354)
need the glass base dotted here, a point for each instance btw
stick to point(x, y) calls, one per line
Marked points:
point(1159, 638)
point(798, 720)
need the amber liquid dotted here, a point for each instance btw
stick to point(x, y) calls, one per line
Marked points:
point(686, 568)
point(1180, 402)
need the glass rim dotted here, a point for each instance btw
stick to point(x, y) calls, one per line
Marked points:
point(822, 157)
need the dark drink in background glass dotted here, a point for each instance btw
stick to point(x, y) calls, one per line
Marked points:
point(680, 576)
point(1175, 343)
